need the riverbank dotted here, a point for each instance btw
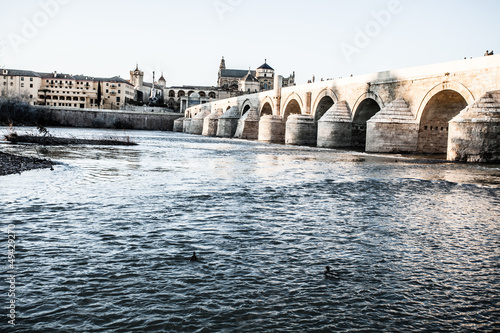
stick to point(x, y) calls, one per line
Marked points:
point(49, 140)
point(12, 164)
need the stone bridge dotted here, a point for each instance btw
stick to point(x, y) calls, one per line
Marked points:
point(449, 108)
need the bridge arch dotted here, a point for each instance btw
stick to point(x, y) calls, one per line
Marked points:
point(245, 107)
point(441, 104)
point(292, 105)
point(448, 85)
point(366, 106)
point(266, 107)
point(323, 102)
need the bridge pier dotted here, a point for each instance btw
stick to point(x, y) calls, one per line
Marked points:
point(335, 127)
point(211, 123)
point(393, 129)
point(228, 123)
point(301, 130)
point(248, 125)
point(271, 129)
point(474, 134)
point(186, 125)
point(179, 124)
point(198, 121)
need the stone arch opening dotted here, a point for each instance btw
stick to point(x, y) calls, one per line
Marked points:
point(324, 105)
point(266, 109)
point(293, 107)
point(181, 93)
point(439, 110)
point(246, 108)
point(365, 111)
point(202, 94)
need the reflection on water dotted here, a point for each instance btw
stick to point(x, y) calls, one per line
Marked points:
point(104, 240)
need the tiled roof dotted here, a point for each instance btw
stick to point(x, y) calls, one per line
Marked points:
point(236, 73)
point(193, 88)
point(61, 76)
point(250, 78)
point(18, 72)
point(266, 66)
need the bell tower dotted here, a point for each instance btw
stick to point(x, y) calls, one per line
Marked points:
point(221, 68)
point(222, 64)
point(137, 77)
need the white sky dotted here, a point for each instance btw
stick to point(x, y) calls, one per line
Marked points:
point(186, 39)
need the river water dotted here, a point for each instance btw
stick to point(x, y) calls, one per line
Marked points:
point(104, 240)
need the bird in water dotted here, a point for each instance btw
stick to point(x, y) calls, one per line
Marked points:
point(329, 274)
point(194, 257)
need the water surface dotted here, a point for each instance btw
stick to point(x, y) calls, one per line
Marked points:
point(104, 240)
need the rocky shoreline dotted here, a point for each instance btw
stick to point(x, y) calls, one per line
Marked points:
point(12, 164)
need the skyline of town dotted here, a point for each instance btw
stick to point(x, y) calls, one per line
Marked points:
point(107, 39)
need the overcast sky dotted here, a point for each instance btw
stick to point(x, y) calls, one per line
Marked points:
point(186, 39)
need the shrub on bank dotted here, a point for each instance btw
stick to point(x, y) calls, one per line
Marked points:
point(14, 111)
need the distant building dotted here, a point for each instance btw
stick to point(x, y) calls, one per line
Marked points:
point(248, 81)
point(175, 97)
point(80, 91)
point(65, 90)
point(20, 83)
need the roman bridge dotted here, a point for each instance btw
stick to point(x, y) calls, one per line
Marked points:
point(449, 108)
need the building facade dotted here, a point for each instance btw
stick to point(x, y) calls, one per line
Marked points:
point(65, 90)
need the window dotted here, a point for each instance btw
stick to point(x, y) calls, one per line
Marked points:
point(119, 91)
point(118, 99)
point(31, 85)
point(31, 79)
point(22, 78)
point(22, 85)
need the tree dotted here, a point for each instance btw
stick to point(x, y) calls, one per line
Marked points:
point(99, 94)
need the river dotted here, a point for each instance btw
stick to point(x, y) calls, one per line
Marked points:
point(103, 241)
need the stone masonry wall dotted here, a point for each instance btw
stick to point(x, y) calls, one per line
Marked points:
point(108, 119)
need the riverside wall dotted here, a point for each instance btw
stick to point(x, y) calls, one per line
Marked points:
point(108, 119)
